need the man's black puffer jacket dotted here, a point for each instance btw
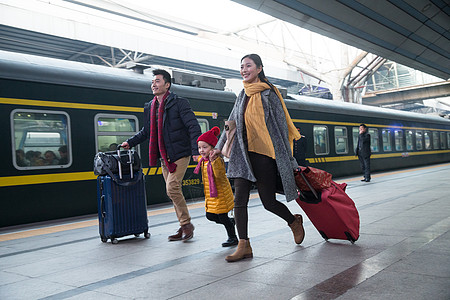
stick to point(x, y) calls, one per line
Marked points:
point(181, 128)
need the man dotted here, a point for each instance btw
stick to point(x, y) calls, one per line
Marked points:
point(302, 145)
point(363, 151)
point(172, 130)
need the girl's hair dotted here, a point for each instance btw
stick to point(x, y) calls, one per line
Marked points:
point(258, 62)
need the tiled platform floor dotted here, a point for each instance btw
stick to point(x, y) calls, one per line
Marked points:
point(402, 253)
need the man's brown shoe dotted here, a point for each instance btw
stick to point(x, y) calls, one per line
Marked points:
point(177, 236)
point(188, 232)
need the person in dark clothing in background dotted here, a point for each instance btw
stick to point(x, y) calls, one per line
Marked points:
point(172, 130)
point(301, 146)
point(363, 151)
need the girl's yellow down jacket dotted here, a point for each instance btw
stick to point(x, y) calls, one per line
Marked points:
point(224, 202)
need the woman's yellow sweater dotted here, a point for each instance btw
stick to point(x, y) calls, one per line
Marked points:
point(224, 202)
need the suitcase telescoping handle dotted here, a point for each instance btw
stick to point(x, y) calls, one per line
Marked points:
point(130, 162)
point(299, 170)
point(119, 161)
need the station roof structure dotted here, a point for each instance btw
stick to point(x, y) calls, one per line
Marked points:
point(415, 33)
point(411, 32)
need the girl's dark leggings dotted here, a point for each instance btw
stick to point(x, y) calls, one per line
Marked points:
point(224, 220)
point(265, 171)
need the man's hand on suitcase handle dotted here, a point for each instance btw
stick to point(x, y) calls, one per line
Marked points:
point(124, 145)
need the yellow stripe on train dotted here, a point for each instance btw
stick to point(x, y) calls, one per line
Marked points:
point(83, 106)
point(62, 177)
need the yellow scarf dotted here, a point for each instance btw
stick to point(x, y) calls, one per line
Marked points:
point(259, 140)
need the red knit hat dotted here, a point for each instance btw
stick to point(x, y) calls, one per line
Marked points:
point(210, 136)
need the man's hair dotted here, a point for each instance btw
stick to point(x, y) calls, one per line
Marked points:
point(166, 76)
point(363, 125)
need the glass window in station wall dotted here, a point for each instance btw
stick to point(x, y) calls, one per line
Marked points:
point(321, 145)
point(409, 140)
point(41, 139)
point(374, 140)
point(398, 136)
point(387, 141)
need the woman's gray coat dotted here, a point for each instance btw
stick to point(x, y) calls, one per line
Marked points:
point(239, 164)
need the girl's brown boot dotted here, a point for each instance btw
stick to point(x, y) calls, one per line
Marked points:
point(244, 250)
point(297, 229)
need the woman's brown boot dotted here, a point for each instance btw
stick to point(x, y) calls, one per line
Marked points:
point(244, 250)
point(297, 229)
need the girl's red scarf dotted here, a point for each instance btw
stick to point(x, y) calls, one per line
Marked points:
point(209, 170)
point(156, 135)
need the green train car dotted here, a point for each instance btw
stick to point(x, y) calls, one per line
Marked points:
point(56, 115)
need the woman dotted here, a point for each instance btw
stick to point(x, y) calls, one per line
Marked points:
point(262, 149)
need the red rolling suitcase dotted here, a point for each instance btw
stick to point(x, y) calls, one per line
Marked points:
point(331, 211)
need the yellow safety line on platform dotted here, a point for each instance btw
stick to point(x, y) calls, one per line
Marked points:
point(82, 224)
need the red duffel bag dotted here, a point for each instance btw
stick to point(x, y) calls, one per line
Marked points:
point(319, 179)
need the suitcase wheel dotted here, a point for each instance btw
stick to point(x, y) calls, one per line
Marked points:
point(146, 235)
point(104, 240)
point(323, 235)
point(114, 241)
point(349, 237)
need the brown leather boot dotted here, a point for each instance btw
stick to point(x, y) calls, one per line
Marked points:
point(244, 250)
point(297, 229)
point(188, 232)
point(177, 236)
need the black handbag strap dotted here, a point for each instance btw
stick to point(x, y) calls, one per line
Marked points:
point(120, 182)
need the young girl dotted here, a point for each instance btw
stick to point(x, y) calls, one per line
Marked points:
point(219, 199)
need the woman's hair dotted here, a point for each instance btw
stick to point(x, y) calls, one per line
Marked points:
point(258, 62)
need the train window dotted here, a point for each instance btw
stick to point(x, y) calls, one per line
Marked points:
point(321, 139)
point(442, 139)
point(435, 140)
point(204, 125)
point(374, 143)
point(41, 139)
point(409, 139)
point(427, 138)
point(398, 135)
point(341, 139)
point(419, 140)
point(355, 135)
point(448, 140)
point(387, 144)
point(112, 130)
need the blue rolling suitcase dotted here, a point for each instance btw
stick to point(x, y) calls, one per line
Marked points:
point(122, 203)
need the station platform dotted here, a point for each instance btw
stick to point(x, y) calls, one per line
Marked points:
point(402, 252)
